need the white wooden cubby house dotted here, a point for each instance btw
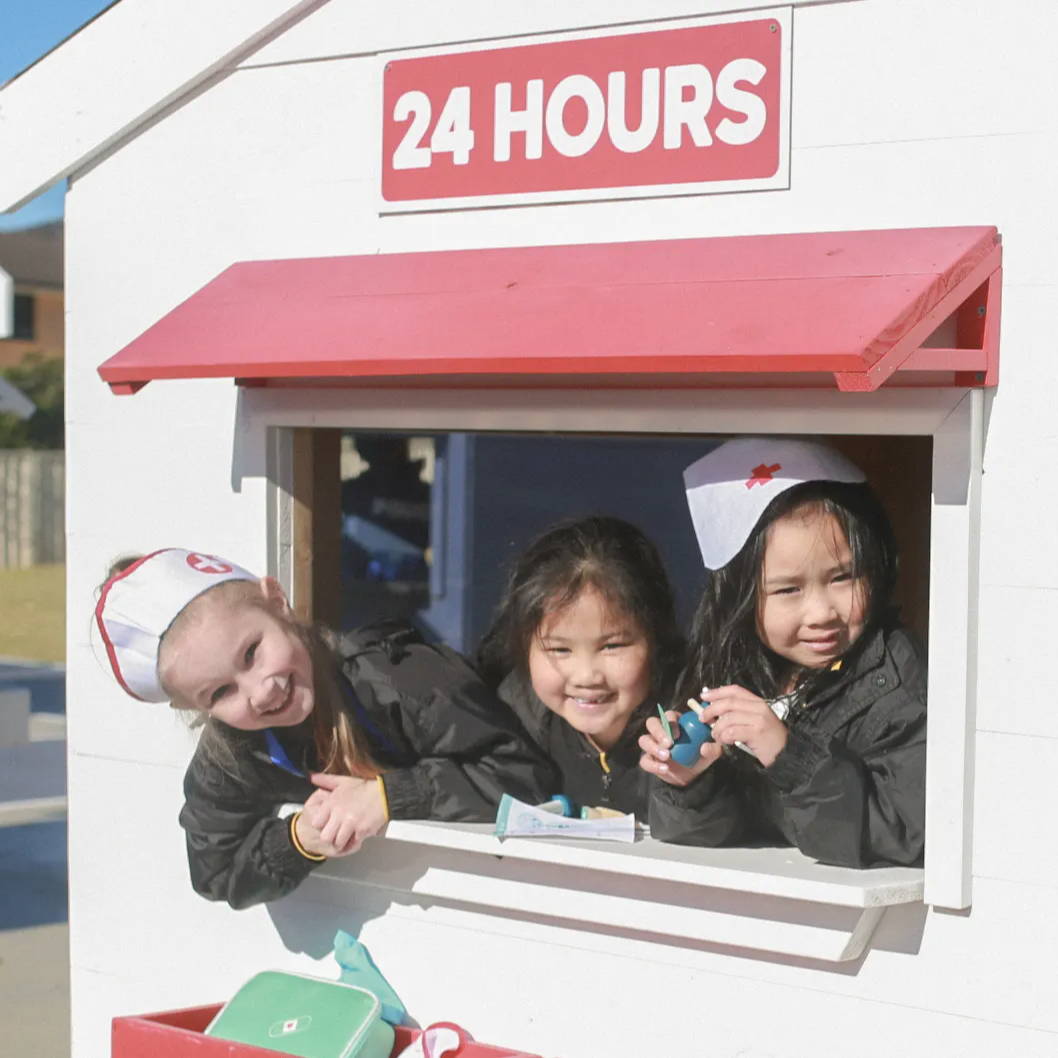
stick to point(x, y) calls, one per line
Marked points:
point(199, 135)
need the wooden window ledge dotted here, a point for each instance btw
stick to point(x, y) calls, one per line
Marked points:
point(774, 900)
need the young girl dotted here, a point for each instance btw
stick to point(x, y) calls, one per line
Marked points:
point(583, 645)
point(377, 726)
point(799, 661)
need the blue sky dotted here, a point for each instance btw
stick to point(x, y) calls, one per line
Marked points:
point(28, 29)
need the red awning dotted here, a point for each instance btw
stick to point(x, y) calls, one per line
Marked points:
point(850, 308)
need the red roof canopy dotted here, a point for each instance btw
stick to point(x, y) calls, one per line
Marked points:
point(855, 306)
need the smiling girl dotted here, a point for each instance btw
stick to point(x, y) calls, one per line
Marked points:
point(583, 645)
point(373, 726)
point(798, 659)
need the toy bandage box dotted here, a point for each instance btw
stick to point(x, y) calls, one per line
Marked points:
point(305, 1016)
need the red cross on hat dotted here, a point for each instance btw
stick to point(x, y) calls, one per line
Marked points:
point(762, 474)
point(207, 563)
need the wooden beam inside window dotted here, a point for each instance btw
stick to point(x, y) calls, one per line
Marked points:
point(315, 574)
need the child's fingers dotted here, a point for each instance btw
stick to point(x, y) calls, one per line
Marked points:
point(657, 732)
point(655, 736)
point(710, 752)
point(675, 774)
point(329, 831)
point(650, 764)
point(345, 834)
point(316, 810)
point(737, 728)
point(325, 781)
point(732, 692)
point(652, 748)
point(662, 769)
point(733, 698)
point(723, 692)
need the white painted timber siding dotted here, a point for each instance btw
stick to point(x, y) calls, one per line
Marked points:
point(904, 114)
point(120, 70)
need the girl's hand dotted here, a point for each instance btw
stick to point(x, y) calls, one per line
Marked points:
point(345, 810)
point(656, 760)
point(311, 840)
point(737, 715)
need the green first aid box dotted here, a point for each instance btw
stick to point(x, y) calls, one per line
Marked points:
point(305, 1016)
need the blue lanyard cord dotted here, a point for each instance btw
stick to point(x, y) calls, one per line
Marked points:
point(363, 718)
point(278, 756)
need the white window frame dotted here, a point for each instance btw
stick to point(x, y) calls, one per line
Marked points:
point(790, 904)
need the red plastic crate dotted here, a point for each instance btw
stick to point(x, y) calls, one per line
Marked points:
point(179, 1034)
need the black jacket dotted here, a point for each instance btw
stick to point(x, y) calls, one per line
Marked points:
point(447, 747)
point(580, 771)
point(848, 787)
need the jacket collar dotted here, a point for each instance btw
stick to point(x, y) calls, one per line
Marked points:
point(517, 687)
point(866, 676)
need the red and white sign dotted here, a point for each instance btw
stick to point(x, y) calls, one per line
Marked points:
point(700, 108)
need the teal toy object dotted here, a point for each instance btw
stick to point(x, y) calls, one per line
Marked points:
point(693, 734)
point(559, 805)
point(359, 970)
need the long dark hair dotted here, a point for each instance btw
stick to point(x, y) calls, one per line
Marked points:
point(607, 554)
point(725, 647)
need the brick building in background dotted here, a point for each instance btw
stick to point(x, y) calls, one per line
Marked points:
point(33, 259)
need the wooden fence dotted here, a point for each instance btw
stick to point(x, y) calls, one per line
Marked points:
point(32, 519)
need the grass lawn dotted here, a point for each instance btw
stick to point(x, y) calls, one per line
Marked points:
point(33, 613)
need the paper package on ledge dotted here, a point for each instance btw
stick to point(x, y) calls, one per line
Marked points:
point(516, 819)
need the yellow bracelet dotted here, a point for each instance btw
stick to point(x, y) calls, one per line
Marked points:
point(385, 799)
point(314, 856)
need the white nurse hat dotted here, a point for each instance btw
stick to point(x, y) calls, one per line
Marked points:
point(729, 487)
point(137, 605)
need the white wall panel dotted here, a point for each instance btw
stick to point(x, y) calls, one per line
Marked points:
point(959, 984)
point(119, 70)
point(105, 724)
point(1013, 821)
point(867, 71)
point(1017, 627)
point(921, 184)
point(956, 964)
point(345, 27)
point(905, 113)
point(900, 70)
point(310, 198)
point(1018, 504)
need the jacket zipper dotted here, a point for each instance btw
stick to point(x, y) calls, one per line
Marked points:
point(607, 776)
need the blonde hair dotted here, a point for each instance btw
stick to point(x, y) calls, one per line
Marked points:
point(341, 745)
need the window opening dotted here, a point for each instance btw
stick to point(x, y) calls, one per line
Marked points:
point(425, 527)
point(385, 525)
point(23, 324)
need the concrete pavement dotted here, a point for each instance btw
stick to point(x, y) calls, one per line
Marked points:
point(34, 936)
point(35, 992)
